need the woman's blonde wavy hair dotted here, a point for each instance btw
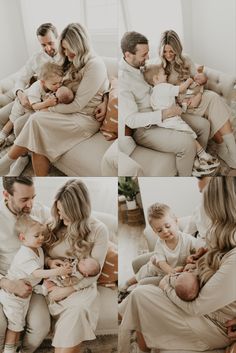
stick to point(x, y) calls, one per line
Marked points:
point(180, 65)
point(220, 206)
point(75, 201)
point(78, 41)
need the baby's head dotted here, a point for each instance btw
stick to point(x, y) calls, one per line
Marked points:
point(64, 95)
point(88, 267)
point(51, 75)
point(187, 286)
point(163, 221)
point(30, 231)
point(154, 74)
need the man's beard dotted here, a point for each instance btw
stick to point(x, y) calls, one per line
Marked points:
point(17, 210)
point(52, 53)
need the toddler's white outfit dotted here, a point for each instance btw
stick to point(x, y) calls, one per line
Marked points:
point(163, 97)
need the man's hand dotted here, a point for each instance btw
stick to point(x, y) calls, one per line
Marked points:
point(24, 101)
point(20, 287)
point(100, 111)
point(55, 263)
point(172, 111)
point(231, 326)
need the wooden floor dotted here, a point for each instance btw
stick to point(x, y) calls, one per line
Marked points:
point(131, 243)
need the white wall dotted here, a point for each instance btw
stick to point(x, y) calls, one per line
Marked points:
point(103, 192)
point(12, 40)
point(61, 13)
point(181, 194)
point(210, 33)
point(151, 18)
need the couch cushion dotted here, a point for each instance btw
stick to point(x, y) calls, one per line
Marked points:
point(155, 163)
point(112, 66)
point(109, 127)
point(85, 158)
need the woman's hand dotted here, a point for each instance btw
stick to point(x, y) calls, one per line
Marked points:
point(60, 293)
point(100, 111)
point(231, 326)
point(55, 263)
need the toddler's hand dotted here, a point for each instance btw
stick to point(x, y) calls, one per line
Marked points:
point(178, 269)
point(65, 270)
point(51, 101)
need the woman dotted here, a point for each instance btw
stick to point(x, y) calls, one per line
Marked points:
point(74, 234)
point(179, 67)
point(166, 322)
point(49, 134)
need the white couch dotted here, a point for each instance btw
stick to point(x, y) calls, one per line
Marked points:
point(155, 163)
point(108, 323)
point(85, 158)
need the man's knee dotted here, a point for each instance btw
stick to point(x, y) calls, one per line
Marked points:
point(3, 327)
point(38, 317)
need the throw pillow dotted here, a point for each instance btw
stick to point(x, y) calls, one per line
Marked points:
point(109, 126)
point(109, 274)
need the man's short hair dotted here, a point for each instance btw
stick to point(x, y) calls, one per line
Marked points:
point(8, 182)
point(45, 28)
point(130, 40)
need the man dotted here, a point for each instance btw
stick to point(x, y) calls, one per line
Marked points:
point(47, 37)
point(136, 111)
point(19, 194)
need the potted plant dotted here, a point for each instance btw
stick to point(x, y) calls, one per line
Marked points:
point(128, 187)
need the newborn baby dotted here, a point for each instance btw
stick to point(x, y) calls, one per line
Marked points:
point(64, 95)
point(87, 267)
point(187, 286)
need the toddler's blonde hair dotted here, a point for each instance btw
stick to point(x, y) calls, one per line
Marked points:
point(49, 70)
point(150, 71)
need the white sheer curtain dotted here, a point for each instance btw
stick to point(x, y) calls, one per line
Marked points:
point(151, 18)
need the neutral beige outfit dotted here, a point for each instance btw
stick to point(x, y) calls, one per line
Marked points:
point(55, 132)
point(167, 322)
point(211, 106)
point(77, 315)
point(136, 112)
point(38, 318)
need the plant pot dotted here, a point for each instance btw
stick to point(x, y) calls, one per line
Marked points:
point(131, 205)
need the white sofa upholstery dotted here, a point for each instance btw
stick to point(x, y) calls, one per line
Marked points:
point(163, 164)
point(85, 158)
